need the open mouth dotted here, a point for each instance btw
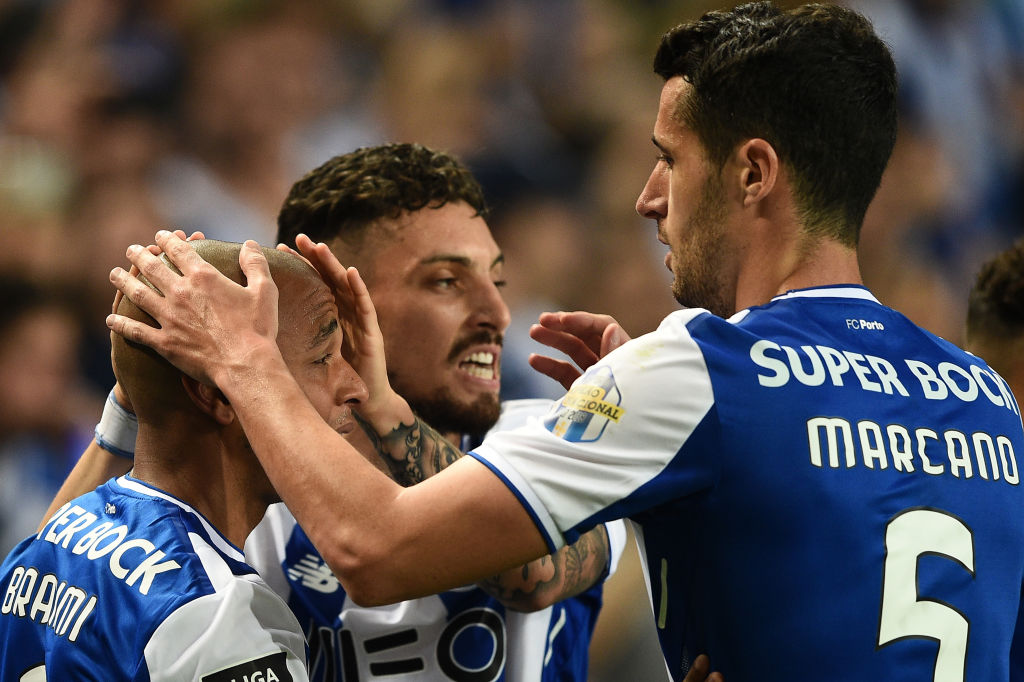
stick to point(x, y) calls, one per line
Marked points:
point(481, 365)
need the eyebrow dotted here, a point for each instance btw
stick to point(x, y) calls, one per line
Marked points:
point(464, 261)
point(325, 332)
point(658, 145)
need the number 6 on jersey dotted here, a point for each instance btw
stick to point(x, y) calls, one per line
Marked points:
point(909, 535)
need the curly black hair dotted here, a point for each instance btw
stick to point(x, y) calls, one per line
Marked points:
point(343, 196)
point(995, 307)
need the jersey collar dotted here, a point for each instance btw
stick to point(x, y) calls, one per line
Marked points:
point(830, 291)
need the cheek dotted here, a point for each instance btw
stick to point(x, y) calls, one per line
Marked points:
point(418, 333)
point(316, 382)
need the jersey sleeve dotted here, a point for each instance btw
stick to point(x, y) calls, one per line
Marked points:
point(265, 548)
point(613, 445)
point(616, 542)
point(517, 413)
point(243, 631)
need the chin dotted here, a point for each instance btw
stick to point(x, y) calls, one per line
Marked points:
point(445, 413)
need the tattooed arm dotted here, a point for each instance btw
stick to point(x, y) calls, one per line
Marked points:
point(415, 451)
point(566, 573)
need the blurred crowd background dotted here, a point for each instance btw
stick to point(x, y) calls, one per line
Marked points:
point(118, 117)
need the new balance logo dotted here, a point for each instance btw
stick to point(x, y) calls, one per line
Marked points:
point(312, 572)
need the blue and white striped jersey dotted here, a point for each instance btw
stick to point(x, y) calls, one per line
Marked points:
point(130, 583)
point(460, 635)
point(824, 490)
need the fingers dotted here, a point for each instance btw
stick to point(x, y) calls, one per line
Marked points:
point(612, 338)
point(321, 258)
point(178, 252)
point(133, 330)
point(138, 293)
point(253, 262)
point(580, 323)
point(559, 370)
point(361, 296)
point(288, 249)
point(699, 670)
point(570, 344)
point(152, 266)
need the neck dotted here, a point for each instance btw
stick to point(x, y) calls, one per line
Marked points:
point(208, 472)
point(775, 266)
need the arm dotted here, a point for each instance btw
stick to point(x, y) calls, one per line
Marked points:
point(416, 452)
point(548, 580)
point(384, 542)
point(99, 463)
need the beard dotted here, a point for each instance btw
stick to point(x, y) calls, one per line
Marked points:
point(698, 281)
point(446, 415)
point(439, 407)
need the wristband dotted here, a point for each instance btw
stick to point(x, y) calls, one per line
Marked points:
point(117, 429)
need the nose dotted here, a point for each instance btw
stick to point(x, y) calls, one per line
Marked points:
point(490, 309)
point(350, 388)
point(653, 200)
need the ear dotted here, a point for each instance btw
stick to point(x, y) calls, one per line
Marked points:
point(209, 400)
point(759, 170)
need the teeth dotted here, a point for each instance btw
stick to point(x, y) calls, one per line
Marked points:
point(481, 357)
point(481, 372)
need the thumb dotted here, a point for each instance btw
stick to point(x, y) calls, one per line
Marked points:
point(253, 261)
point(612, 337)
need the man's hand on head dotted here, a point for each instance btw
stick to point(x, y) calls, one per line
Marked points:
point(363, 341)
point(156, 251)
point(208, 324)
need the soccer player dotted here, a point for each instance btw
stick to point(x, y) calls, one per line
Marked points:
point(995, 315)
point(413, 219)
point(144, 578)
point(823, 488)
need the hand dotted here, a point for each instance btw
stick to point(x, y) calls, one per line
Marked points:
point(119, 392)
point(208, 323)
point(363, 345)
point(584, 337)
point(699, 671)
point(134, 271)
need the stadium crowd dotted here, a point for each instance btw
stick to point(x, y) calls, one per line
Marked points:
point(121, 116)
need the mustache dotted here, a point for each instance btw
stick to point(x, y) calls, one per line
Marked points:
point(481, 337)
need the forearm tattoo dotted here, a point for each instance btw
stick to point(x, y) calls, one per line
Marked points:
point(561, 575)
point(414, 452)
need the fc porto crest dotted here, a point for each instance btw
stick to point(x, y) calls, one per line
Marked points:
point(592, 402)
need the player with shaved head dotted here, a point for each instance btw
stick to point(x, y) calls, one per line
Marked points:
point(144, 578)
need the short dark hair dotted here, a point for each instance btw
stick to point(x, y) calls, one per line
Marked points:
point(995, 307)
point(343, 196)
point(815, 81)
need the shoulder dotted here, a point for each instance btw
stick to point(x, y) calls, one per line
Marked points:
point(516, 413)
point(241, 629)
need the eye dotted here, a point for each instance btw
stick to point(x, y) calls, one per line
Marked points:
point(500, 283)
point(325, 360)
point(665, 158)
point(445, 282)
